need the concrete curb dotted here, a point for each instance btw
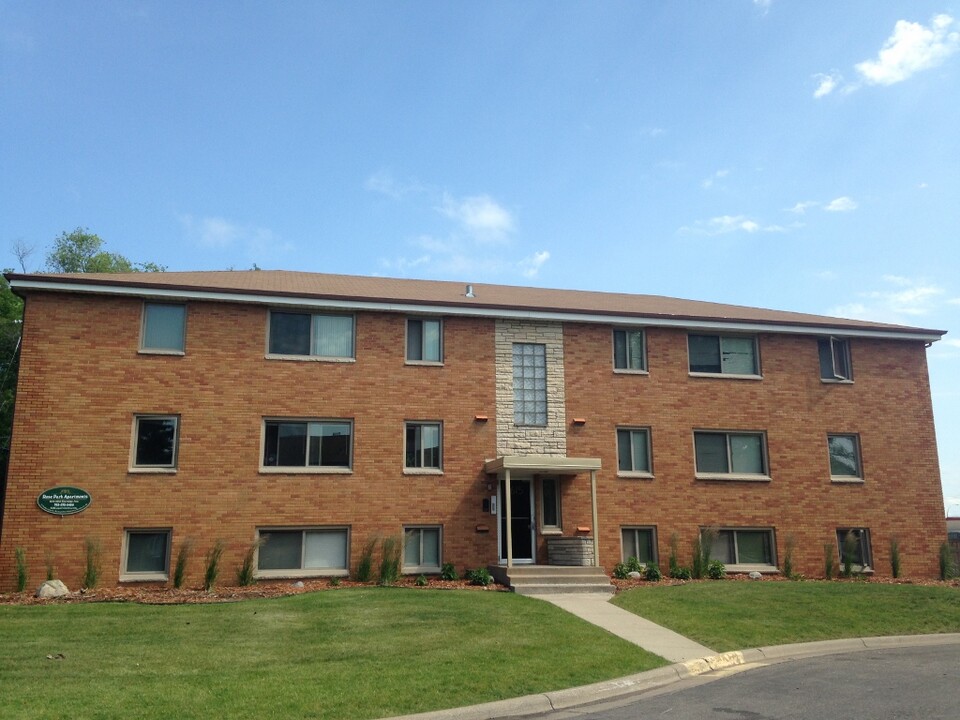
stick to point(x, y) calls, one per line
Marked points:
point(662, 677)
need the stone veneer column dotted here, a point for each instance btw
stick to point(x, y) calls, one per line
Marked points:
point(513, 439)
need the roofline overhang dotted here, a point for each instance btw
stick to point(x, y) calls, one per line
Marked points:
point(21, 283)
point(547, 464)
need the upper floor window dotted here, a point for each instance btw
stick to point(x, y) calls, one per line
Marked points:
point(529, 384)
point(424, 340)
point(633, 450)
point(844, 457)
point(629, 350)
point(730, 453)
point(307, 444)
point(319, 335)
point(155, 442)
point(423, 445)
point(723, 355)
point(163, 328)
point(835, 359)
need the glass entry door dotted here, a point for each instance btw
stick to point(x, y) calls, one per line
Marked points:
point(522, 524)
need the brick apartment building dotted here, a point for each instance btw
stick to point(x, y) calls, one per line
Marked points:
point(316, 412)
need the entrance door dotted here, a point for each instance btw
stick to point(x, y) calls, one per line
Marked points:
point(522, 524)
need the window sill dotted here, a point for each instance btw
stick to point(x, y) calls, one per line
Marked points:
point(765, 569)
point(725, 376)
point(420, 570)
point(158, 351)
point(144, 577)
point(301, 573)
point(846, 480)
point(629, 371)
point(151, 471)
point(733, 477)
point(424, 363)
point(422, 471)
point(634, 475)
point(305, 471)
point(551, 531)
point(835, 381)
point(310, 358)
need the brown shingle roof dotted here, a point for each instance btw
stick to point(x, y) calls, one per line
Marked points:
point(284, 283)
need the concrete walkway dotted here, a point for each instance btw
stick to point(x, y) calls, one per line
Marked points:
point(597, 609)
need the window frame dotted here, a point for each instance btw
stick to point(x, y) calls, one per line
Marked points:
point(545, 528)
point(171, 468)
point(855, 438)
point(423, 342)
point(423, 469)
point(302, 572)
point(835, 343)
point(747, 567)
point(311, 356)
point(654, 550)
point(865, 548)
point(306, 469)
point(627, 369)
point(633, 472)
point(144, 319)
point(731, 475)
point(520, 416)
point(757, 374)
point(422, 568)
point(127, 575)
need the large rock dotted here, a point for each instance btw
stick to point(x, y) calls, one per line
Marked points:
point(52, 589)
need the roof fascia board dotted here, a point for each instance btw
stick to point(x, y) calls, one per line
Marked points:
point(481, 311)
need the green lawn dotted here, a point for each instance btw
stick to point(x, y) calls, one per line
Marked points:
point(349, 653)
point(737, 615)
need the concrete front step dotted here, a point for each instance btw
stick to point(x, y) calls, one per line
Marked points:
point(552, 579)
point(562, 588)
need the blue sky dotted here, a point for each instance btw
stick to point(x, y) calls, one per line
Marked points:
point(799, 155)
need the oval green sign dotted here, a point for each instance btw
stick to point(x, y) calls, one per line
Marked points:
point(63, 500)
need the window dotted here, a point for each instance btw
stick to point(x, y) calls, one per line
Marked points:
point(310, 444)
point(856, 543)
point(744, 547)
point(326, 336)
point(639, 542)
point(723, 354)
point(633, 451)
point(320, 551)
point(550, 503)
point(844, 457)
point(835, 359)
point(424, 340)
point(629, 350)
point(163, 328)
point(529, 384)
point(155, 442)
point(146, 555)
point(423, 446)
point(730, 453)
point(421, 549)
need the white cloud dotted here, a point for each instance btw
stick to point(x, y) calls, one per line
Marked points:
point(217, 232)
point(708, 183)
point(911, 48)
point(383, 182)
point(725, 224)
point(826, 83)
point(841, 204)
point(530, 266)
point(801, 207)
point(907, 297)
point(763, 4)
point(479, 215)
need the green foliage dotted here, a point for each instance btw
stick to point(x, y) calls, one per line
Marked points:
point(680, 573)
point(947, 567)
point(421, 581)
point(702, 547)
point(334, 582)
point(788, 548)
point(849, 553)
point(11, 317)
point(51, 570)
point(696, 568)
point(213, 565)
point(716, 570)
point(21, 559)
point(365, 566)
point(479, 576)
point(183, 557)
point(674, 553)
point(652, 573)
point(390, 560)
point(829, 561)
point(92, 573)
point(449, 572)
point(621, 571)
point(81, 251)
point(246, 572)
point(894, 557)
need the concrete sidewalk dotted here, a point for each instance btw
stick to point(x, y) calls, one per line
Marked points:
point(597, 609)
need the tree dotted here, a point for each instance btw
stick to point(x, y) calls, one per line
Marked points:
point(82, 252)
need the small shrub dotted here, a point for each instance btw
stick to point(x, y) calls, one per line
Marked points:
point(652, 573)
point(180, 568)
point(246, 571)
point(849, 553)
point(91, 575)
point(365, 566)
point(716, 570)
point(334, 582)
point(947, 569)
point(449, 572)
point(51, 570)
point(213, 565)
point(421, 581)
point(702, 547)
point(633, 565)
point(480, 576)
point(680, 573)
point(697, 566)
point(788, 547)
point(621, 571)
point(390, 560)
point(829, 561)
point(674, 553)
point(895, 557)
point(21, 558)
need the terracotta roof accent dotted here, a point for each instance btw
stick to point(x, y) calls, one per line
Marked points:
point(381, 290)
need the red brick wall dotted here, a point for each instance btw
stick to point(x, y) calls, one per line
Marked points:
point(82, 380)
